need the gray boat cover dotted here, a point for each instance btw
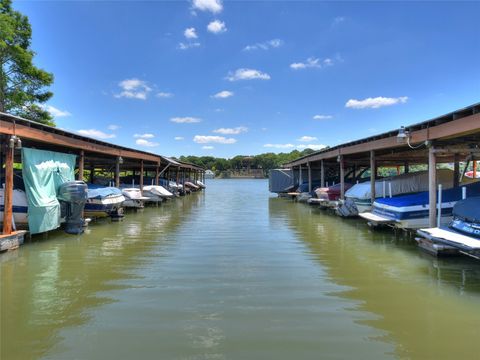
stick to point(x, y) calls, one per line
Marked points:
point(401, 184)
point(280, 180)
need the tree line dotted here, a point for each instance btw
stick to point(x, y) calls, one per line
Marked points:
point(264, 161)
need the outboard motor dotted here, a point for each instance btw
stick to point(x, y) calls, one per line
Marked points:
point(73, 196)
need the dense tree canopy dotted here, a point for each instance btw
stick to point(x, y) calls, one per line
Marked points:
point(265, 161)
point(22, 84)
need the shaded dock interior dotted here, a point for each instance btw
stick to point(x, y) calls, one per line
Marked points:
point(94, 159)
point(448, 139)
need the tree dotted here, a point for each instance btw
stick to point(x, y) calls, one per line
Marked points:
point(22, 84)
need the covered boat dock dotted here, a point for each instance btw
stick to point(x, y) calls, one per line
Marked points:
point(93, 157)
point(450, 138)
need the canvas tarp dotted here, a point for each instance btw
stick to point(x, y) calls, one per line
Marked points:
point(281, 180)
point(43, 173)
point(401, 184)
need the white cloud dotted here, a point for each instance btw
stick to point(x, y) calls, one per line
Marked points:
point(143, 142)
point(133, 89)
point(179, 138)
point(247, 74)
point(312, 62)
point(322, 117)
point(216, 27)
point(185, 120)
point(275, 43)
point(144, 136)
point(279, 146)
point(186, 46)
point(164, 95)
point(205, 139)
point(54, 111)
point(311, 146)
point(190, 33)
point(214, 6)
point(307, 138)
point(223, 94)
point(113, 127)
point(96, 134)
point(375, 103)
point(338, 20)
point(207, 147)
point(231, 131)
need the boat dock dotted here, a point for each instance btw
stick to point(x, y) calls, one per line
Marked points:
point(449, 141)
point(93, 158)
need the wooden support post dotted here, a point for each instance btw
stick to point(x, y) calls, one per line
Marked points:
point(300, 175)
point(81, 165)
point(342, 178)
point(322, 174)
point(456, 170)
point(178, 175)
point(373, 175)
point(432, 191)
point(8, 191)
point(474, 168)
point(92, 173)
point(406, 167)
point(157, 175)
point(141, 175)
point(309, 178)
point(117, 172)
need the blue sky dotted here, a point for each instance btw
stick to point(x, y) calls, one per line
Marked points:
point(206, 77)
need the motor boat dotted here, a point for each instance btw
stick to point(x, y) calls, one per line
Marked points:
point(358, 197)
point(20, 208)
point(156, 193)
point(104, 202)
point(412, 211)
point(133, 198)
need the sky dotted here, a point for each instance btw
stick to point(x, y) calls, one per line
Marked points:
point(206, 77)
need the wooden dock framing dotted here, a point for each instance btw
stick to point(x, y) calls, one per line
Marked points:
point(92, 155)
point(449, 138)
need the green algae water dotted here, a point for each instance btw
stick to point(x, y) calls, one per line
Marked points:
point(235, 273)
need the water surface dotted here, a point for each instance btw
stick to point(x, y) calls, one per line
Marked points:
point(235, 273)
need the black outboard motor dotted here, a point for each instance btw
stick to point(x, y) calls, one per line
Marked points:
point(73, 196)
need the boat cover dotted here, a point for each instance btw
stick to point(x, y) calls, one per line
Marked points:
point(43, 173)
point(158, 190)
point(468, 209)
point(421, 198)
point(280, 180)
point(401, 184)
point(332, 192)
point(304, 186)
point(100, 192)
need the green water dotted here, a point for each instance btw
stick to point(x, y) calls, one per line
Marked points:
point(234, 273)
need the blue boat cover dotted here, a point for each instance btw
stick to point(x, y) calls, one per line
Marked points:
point(304, 186)
point(421, 198)
point(468, 209)
point(100, 192)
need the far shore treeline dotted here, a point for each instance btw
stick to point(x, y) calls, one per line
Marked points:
point(264, 161)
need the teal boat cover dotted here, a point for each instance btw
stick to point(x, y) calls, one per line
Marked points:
point(43, 173)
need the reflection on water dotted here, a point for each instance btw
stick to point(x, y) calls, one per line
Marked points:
point(427, 306)
point(232, 274)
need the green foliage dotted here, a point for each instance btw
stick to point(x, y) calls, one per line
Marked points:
point(265, 161)
point(22, 85)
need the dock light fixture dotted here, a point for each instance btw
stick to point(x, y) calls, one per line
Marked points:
point(120, 160)
point(403, 136)
point(15, 142)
